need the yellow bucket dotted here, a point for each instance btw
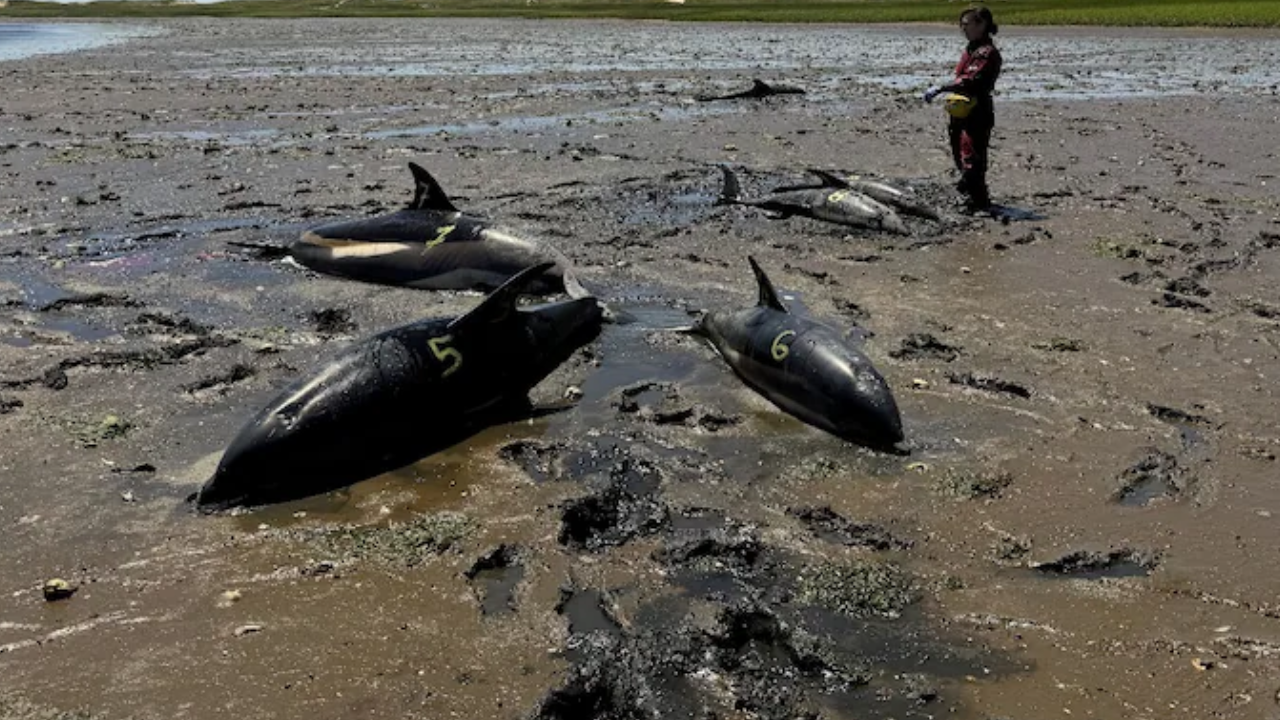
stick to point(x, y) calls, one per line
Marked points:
point(959, 106)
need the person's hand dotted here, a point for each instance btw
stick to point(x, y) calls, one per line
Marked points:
point(931, 93)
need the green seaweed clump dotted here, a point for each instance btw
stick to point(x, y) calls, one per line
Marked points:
point(974, 485)
point(859, 588)
point(405, 544)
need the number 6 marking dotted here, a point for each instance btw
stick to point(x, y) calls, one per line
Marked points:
point(778, 350)
point(445, 354)
point(835, 197)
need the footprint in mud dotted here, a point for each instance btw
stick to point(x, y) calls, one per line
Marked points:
point(661, 403)
point(538, 459)
point(588, 611)
point(1089, 565)
point(495, 578)
point(332, 321)
point(97, 299)
point(221, 383)
point(1156, 475)
point(625, 508)
point(831, 526)
point(723, 563)
point(989, 383)
point(923, 346)
point(741, 659)
point(156, 323)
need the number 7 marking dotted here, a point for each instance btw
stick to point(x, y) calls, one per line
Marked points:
point(441, 235)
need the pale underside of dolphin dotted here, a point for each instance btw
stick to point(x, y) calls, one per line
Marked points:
point(899, 198)
point(834, 204)
point(430, 245)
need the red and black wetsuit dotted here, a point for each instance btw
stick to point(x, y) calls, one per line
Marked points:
point(971, 136)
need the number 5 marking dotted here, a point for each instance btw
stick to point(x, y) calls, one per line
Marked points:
point(445, 354)
point(778, 350)
point(441, 235)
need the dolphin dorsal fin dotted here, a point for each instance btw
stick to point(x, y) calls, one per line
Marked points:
point(768, 296)
point(499, 304)
point(427, 193)
point(829, 179)
point(760, 85)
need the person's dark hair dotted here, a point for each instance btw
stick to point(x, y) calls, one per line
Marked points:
point(983, 13)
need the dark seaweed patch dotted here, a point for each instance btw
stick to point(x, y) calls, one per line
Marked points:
point(98, 299)
point(1179, 302)
point(1187, 286)
point(8, 404)
point(149, 322)
point(1174, 415)
point(1087, 565)
point(1059, 344)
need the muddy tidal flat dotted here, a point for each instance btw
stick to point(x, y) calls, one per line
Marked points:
point(1085, 527)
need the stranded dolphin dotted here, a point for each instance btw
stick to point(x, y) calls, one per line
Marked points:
point(758, 89)
point(829, 203)
point(429, 245)
point(806, 368)
point(896, 197)
point(400, 395)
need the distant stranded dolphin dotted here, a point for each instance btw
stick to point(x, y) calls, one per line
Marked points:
point(401, 395)
point(806, 368)
point(828, 203)
point(896, 197)
point(758, 89)
point(429, 245)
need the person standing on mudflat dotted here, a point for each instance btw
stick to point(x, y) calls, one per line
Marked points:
point(969, 104)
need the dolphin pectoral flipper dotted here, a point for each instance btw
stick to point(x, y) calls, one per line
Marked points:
point(768, 296)
point(829, 179)
point(501, 303)
point(427, 193)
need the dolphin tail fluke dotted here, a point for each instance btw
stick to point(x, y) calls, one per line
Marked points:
point(731, 192)
point(261, 250)
point(427, 193)
point(768, 296)
point(501, 303)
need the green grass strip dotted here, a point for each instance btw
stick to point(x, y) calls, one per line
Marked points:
point(1156, 13)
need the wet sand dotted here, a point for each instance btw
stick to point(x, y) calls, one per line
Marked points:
point(1085, 526)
